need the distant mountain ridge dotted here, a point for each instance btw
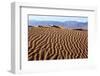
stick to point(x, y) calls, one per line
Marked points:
point(65, 24)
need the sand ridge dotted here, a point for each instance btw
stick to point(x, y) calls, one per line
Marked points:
point(55, 43)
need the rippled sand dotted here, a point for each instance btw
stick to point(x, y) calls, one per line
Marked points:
point(56, 43)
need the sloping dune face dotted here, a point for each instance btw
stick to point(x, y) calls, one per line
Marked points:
point(55, 43)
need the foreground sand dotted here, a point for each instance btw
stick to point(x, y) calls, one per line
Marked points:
point(55, 43)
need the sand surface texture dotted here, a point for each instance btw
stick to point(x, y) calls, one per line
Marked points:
point(56, 43)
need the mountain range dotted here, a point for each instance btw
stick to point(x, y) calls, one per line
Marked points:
point(65, 24)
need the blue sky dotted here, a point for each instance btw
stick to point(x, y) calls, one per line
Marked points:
point(57, 18)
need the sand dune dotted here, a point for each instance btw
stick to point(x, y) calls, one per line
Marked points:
point(55, 43)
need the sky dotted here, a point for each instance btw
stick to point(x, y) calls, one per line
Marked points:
point(57, 18)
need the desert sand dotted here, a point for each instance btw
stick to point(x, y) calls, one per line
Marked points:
point(55, 43)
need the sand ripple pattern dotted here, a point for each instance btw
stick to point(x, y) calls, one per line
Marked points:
point(54, 43)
